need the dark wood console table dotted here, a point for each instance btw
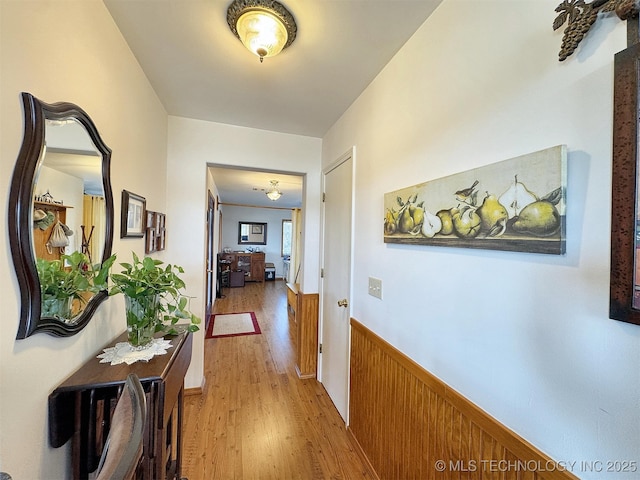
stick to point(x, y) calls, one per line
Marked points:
point(80, 409)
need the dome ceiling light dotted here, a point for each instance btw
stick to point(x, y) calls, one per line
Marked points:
point(274, 192)
point(265, 27)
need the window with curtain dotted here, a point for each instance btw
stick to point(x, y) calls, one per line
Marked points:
point(287, 236)
point(93, 227)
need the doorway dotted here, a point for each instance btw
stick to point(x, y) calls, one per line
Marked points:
point(241, 196)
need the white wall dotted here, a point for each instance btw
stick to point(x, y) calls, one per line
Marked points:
point(524, 336)
point(67, 51)
point(195, 143)
point(233, 214)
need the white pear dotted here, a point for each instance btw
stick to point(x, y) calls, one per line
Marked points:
point(431, 224)
point(516, 198)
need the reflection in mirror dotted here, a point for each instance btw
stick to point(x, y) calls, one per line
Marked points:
point(252, 233)
point(60, 202)
point(636, 269)
point(68, 193)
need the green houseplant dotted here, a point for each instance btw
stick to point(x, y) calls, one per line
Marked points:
point(153, 299)
point(67, 279)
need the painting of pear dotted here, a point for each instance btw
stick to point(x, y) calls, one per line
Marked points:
point(513, 205)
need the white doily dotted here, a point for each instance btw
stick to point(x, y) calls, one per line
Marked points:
point(123, 352)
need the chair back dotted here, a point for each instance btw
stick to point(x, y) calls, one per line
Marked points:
point(123, 448)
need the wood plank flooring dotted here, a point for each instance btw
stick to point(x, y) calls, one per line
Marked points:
point(256, 419)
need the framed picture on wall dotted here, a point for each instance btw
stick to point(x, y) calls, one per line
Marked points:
point(155, 232)
point(132, 215)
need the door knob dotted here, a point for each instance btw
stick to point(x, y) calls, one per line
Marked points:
point(343, 303)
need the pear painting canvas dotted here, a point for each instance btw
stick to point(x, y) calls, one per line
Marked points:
point(513, 205)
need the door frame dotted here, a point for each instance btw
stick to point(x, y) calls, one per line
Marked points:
point(211, 261)
point(349, 154)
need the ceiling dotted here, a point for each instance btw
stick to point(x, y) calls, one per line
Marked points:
point(248, 187)
point(200, 70)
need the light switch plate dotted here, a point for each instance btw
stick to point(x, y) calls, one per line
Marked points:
point(375, 287)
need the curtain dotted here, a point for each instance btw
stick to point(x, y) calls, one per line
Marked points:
point(296, 246)
point(93, 227)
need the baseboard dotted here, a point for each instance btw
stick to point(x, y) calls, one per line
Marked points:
point(305, 376)
point(195, 390)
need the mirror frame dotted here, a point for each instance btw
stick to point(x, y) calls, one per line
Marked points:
point(624, 186)
point(20, 215)
point(252, 224)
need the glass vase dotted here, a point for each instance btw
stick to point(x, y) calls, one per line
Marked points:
point(142, 318)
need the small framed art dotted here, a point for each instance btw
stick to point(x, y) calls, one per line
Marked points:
point(132, 215)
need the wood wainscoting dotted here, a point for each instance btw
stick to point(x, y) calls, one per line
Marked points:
point(303, 311)
point(307, 334)
point(406, 421)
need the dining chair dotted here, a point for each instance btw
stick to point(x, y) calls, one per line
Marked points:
point(123, 447)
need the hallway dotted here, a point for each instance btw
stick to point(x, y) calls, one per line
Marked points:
point(256, 419)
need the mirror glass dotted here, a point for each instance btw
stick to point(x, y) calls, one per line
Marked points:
point(68, 189)
point(61, 217)
point(252, 233)
point(636, 269)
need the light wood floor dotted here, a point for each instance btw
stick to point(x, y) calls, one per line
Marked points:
point(256, 419)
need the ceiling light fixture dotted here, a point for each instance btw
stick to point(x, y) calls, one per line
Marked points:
point(274, 193)
point(265, 27)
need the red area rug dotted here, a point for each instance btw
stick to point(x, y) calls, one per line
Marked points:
point(233, 325)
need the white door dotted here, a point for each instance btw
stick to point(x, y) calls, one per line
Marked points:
point(336, 283)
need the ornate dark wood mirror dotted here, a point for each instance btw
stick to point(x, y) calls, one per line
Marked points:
point(579, 16)
point(624, 302)
point(625, 260)
point(252, 233)
point(61, 174)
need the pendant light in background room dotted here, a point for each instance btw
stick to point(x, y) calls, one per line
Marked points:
point(274, 192)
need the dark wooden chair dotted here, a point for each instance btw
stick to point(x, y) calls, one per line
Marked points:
point(123, 447)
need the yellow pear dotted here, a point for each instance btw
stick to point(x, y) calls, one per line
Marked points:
point(493, 216)
point(539, 218)
point(447, 222)
point(418, 216)
point(406, 221)
point(389, 223)
point(466, 224)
